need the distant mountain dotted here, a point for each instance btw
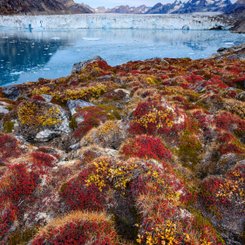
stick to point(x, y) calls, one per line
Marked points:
point(237, 7)
point(100, 9)
point(76, 8)
point(191, 6)
point(41, 6)
point(237, 12)
point(125, 9)
point(168, 8)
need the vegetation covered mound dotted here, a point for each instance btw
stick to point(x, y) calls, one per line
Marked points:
point(148, 152)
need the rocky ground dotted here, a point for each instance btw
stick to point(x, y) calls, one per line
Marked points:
point(30, 7)
point(237, 52)
point(148, 152)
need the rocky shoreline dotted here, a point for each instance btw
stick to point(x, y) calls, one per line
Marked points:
point(148, 152)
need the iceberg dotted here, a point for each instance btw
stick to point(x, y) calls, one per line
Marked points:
point(114, 21)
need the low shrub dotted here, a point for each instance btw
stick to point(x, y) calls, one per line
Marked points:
point(153, 117)
point(78, 228)
point(7, 218)
point(17, 183)
point(78, 195)
point(9, 147)
point(144, 146)
point(190, 149)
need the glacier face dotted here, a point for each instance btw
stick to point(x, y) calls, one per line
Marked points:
point(113, 21)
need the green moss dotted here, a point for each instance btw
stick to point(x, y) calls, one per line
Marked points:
point(22, 237)
point(111, 111)
point(8, 126)
point(153, 80)
point(30, 113)
point(63, 187)
point(190, 149)
point(41, 90)
point(73, 123)
point(82, 93)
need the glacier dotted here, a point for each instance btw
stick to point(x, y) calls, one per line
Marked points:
point(114, 21)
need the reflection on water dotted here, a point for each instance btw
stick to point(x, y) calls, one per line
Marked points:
point(26, 56)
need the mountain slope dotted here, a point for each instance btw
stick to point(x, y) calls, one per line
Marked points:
point(160, 8)
point(237, 7)
point(191, 6)
point(41, 6)
point(238, 14)
point(125, 9)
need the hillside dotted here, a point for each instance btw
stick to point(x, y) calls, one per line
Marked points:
point(191, 6)
point(125, 9)
point(41, 7)
point(148, 152)
point(237, 13)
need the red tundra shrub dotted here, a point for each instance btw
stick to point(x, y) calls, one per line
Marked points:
point(37, 97)
point(78, 228)
point(90, 117)
point(162, 198)
point(8, 147)
point(7, 218)
point(144, 146)
point(230, 122)
point(77, 194)
point(229, 143)
point(153, 117)
point(224, 193)
point(160, 179)
point(42, 159)
point(17, 183)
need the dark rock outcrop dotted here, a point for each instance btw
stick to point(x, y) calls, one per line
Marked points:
point(42, 7)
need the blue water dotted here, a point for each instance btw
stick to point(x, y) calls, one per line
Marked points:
point(27, 56)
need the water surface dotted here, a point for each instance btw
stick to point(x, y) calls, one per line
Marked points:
point(27, 56)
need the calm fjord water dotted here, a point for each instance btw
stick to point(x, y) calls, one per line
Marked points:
point(27, 56)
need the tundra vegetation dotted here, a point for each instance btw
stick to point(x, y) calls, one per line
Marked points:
point(148, 152)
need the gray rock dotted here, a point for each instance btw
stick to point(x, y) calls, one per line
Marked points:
point(43, 133)
point(241, 96)
point(82, 65)
point(46, 135)
point(47, 97)
point(11, 92)
point(74, 104)
point(3, 109)
point(226, 162)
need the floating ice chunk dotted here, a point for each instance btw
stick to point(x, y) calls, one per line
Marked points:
point(55, 38)
point(229, 43)
point(91, 38)
point(16, 73)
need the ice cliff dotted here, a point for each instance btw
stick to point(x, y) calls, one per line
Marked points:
point(113, 21)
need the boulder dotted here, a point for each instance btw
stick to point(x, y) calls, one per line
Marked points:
point(41, 121)
point(11, 92)
point(74, 104)
point(3, 108)
point(82, 65)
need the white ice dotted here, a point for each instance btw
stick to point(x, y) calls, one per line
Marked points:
point(112, 21)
